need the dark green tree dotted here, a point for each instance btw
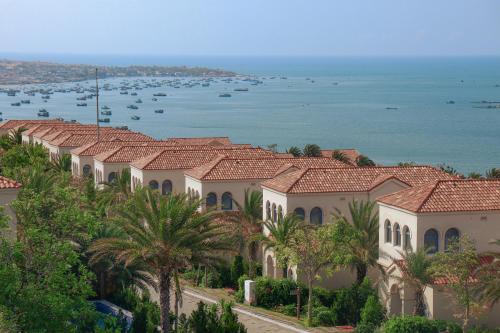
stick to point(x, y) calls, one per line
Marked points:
point(311, 150)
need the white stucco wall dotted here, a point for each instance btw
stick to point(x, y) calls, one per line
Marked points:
point(176, 177)
point(6, 197)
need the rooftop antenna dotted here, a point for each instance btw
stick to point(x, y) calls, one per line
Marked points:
point(97, 104)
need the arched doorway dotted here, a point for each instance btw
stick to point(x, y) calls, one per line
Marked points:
point(270, 266)
point(396, 304)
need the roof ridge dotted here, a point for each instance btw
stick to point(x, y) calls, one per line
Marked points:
point(428, 195)
point(217, 160)
point(301, 172)
point(152, 157)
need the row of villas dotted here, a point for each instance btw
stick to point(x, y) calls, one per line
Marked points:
point(419, 206)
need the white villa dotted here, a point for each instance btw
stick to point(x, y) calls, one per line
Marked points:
point(418, 205)
point(317, 193)
point(430, 216)
point(8, 193)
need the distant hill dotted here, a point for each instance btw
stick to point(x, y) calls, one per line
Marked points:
point(25, 72)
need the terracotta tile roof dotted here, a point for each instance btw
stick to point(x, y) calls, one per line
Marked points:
point(44, 131)
point(257, 168)
point(351, 179)
point(56, 126)
point(80, 139)
point(187, 158)
point(97, 147)
point(133, 152)
point(10, 124)
point(212, 141)
point(448, 196)
point(8, 183)
point(351, 154)
point(483, 260)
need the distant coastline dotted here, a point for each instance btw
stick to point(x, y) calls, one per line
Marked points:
point(17, 72)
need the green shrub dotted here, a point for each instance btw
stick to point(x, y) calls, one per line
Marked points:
point(237, 269)
point(241, 282)
point(366, 328)
point(225, 276)
point(323, 316)
point(208, 319)
point(410, 324)
point(325, 296)
point(349, 302)
point(289, 309)
point(190, 275)
point(270, 292)
point(447, 326)
point(373, 312)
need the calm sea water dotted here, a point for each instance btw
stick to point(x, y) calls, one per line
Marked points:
point(345, 107)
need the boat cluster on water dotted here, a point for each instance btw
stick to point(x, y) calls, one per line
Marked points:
point(86, 91)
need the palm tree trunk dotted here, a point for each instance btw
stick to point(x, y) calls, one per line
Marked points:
point(176, 310)
point(419, 309)
point(361, 270)
point(165, 284)
point(251, 261)
point(309, 300)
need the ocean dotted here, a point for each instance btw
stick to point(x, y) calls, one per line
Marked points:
point(390, 109)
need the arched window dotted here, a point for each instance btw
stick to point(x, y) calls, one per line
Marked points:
point(166, 187)
point(153, 185)
point(86, 169)
point(451, 235)
point(275, 213)
point(397, 235)
point(300, 212)
point(268, 210)
point(431, 240)
point(111, 177)
point(227, 201)
point(280, 212)
point(316, 216)
point(388, 231)
point(406, 238)
point(211, 199)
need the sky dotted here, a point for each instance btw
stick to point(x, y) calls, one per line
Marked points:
point(251, 27)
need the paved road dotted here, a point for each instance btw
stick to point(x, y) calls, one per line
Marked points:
point(253, 322)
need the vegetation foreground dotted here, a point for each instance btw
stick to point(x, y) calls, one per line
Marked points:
point(76, 244)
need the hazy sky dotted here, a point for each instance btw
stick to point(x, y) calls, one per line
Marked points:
point(251, 27)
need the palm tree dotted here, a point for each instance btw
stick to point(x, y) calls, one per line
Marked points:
point(364, 246)
point(62, 163)
point(488, 288)
point(248, 220)
point(364, 161)
point(280, 236)
point(311, 150)
point(116, 192)
point(493, 173)
point(415, 271)
point(295, 151)
point(340, 156)
point(162, 234)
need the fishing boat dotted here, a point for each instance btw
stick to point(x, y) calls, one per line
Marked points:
point(135, 117)
point(43, 113)
point(15, 104)
point(159, 111)
point(225, 95)
point(106, 113)
point(139, 101)
point(123, 92)
point(241, 89)
point(133, 94)
point(81, 104)
point(25, 101)
point(105, 107)
point(104, 120)
point(46, 97)
point(205, 84)
point(132, 106)
point(160, 94)
point(154, 99)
